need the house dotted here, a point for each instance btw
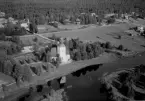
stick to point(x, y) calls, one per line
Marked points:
point(67, 21)
point(94, 14)
point(140, 29)
point(78, 21)
point(10, 19)
point(3, 21)
point(126, 16)
point(27, 49)
point(54, 24)
point(109, 15)
point(2, 14)
point(25, 24)
point(83, 13)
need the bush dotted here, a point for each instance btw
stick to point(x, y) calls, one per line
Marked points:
point(8, 67)
point(39, 71)
point(2, 37)
point(33, 27)
point(35, 39)
point(110, 20)
point(84, 55)
point(27, 76)
point(120, 47)
point(108, 45)
point(54, 24)
point(17, 72)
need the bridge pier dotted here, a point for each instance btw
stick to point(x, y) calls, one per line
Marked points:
point(57, 83)
point(62, 82)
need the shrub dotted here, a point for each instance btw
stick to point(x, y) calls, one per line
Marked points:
point(39, 71)
point(8, 67)
point(110, 20)
point(120, 47)
point(27, 76)
point(17, 72)
point(103, 45)
point(2, 37)
point(108, 45)
point(77, 56)
point(54, 37)
point(35, 39)
point(84, 55)
point(33, 27)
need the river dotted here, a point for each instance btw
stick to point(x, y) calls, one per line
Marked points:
point(87, 87)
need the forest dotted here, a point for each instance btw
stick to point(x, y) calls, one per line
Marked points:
point(61, 9)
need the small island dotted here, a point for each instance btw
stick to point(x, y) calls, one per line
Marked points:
point(125, 85)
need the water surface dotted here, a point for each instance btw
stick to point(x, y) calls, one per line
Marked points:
point(87, 87)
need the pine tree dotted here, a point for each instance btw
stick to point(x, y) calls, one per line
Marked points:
point(18, 72)
point(27, 76)
point(8, 67)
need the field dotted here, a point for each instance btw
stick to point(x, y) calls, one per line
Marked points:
point(106, 33)
point(27, 40)
point(97, 33)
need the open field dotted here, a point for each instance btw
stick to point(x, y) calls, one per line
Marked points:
point(98, 33)
point(61, 27)
point(27, 40)
point(103, 33)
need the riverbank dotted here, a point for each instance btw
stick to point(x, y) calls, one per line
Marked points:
point(125, 84)
point(91, 78)
point(88, 87)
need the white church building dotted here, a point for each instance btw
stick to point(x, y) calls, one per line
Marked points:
point(62, 51)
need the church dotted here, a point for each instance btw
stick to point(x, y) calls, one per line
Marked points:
point(60, 49)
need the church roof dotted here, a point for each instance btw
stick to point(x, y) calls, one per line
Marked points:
point(61, 45)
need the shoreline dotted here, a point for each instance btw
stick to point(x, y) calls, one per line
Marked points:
point(130, 56)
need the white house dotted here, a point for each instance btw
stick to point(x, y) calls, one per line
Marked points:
point(78, 21)
point(140, 29)
point(94, 14)
point(2, 14)
point(27, 49)
point(109, 15)
point(25, 24)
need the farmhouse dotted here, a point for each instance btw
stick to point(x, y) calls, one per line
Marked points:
point(2, 14)
point(140, 29)
point(25, 24)
point(67, 21)
point(110, 15)
point(78, 21)
point(27, 49)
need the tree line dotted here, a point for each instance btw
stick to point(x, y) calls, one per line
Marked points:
point(55, 10)
point(14, 44)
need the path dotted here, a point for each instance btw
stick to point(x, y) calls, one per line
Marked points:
point(40, 35)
